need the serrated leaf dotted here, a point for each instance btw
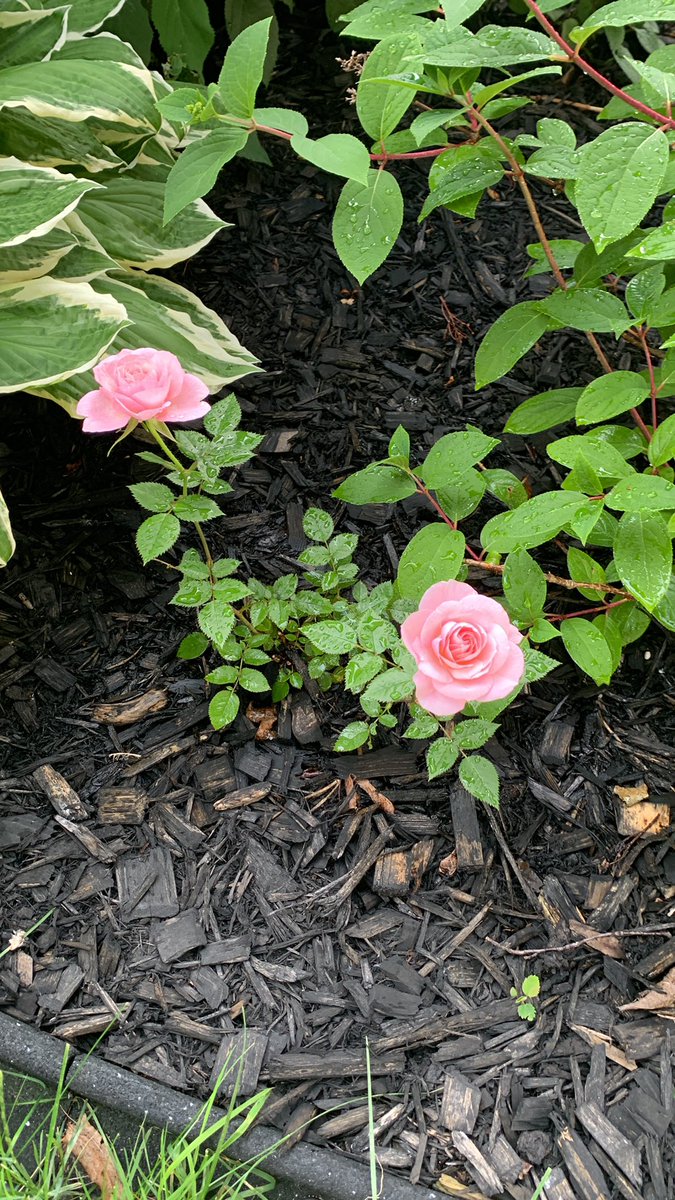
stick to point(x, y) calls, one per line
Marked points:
point(331, 637)
point(193, 646)
point(610, 395)
point(441, 757)
point(531, 986)
point(544, 411)
point(537, 665)
point(367, 222)
point(471, 734)
point(620, 175)
point(435, 553)
point(156, 497)
point(196, 508)
point(156, 535)
point(376, 484)
point(223, 675)
point(217, 620)
point(224, 416)
point(479, 776)
point(360, 669)
point(253, 681)
point(643, 556)
point(223, 708)
point(353, 735)
point(588, 648)
point(389, 687)
point(317, 525)
point(511, 336)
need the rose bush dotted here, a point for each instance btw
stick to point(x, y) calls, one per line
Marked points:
point(465, 647)
point(141, 385)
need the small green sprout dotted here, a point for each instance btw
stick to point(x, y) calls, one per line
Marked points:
point(531, 987)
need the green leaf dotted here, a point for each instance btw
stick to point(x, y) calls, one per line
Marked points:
point(441, 757)
point(524, 586)
point(192, 593)
point(253, 681)
point(196, 508)
point(331, 637)
point(231, 590)
point(664, 611)
point(193, 646)
point(624, 12)
point(223, 567)
point(223, 675)
point(380, 106)
point(338, 153)
point(427, 122)
point(492, 46)
point(643, 291)
point(641, 493)
point(480, 778)
point(376, 634)
point(435, 553)
point(658, 245)
point(361, 669)
point(619, 179)
point(610, 395)
point(342, 547)
point(643, 556)
point(471, 735)
point(317, 525)
point(531, 986)
point(156, 497)
point(543, 631)
point(353, 736)
point(223, 709)
point(588, 648)
point(388, 688)
point(451, 456)
point(367, 222)
point(376, 484)
point(544, 411)
point(462, 497)
point(243, 68)
point(565, 250)
point(423, 726)
point(662, 446)
point(532, 523)
point(505, 486)
point(483, 96)
point(584, 569)
point(223, 417)
point(537, 665)
point(217, 620)
point(589, 309)
point(399, 445)
point(282, 118)
point(463, 171)
point(511, 336)
point(607, 460)
point(157, 535)
point(184, 29)
point(198, 167)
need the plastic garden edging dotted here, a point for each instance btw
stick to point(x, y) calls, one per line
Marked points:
point(304, 1172)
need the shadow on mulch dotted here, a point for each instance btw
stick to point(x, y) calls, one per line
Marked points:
point(197, 876)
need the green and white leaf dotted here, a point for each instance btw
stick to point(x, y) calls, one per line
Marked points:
point(34, 199)
point(7, 542)
point(30, 35)
point(114, 94)
point(35, 257)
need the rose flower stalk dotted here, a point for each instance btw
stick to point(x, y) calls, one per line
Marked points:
point(465, 647)
point(141, 385)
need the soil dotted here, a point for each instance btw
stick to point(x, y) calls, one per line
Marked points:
point(190, 881)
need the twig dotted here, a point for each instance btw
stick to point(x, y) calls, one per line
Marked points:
point(595, 937)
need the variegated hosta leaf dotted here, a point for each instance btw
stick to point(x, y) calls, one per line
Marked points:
point(102, 47)
point(7, 543)
point(168, 317)
point(30, 35)
point(127, 221)
point(87, 15)
point(50, 329)
point(46, 142)
point(34, 199)
point(35, 257)
point(113, 94)
point(86, 259)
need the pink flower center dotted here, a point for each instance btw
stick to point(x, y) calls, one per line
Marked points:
point(133, 372)
point(460, 642)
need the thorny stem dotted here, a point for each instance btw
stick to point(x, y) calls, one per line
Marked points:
point(574, 57)
point(524, 186)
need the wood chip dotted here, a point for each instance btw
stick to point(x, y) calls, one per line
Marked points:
point(397, 872)
point(460, 1103)
point(662, 996)
point(129, 712)
point(178, 936)
point(612, 1142)
point(642, 819)
point(86, 838)
point(146, 885)
point(60, 794)
point(468, 845)
point(238, 1063)
point(242, 797)
point(122, 806)
point(485, 1175)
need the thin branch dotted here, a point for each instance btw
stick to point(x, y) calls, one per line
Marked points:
point(569, 584)
point(595, 937)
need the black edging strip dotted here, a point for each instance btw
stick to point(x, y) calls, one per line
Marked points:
point(313, 1170)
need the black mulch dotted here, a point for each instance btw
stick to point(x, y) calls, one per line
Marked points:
point(197, 877)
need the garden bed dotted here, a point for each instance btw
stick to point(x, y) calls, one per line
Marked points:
point(197, 876)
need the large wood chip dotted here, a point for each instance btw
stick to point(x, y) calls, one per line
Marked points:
point(128, 712)
point(93, 1156)
point(64, 799)
point(661, 997)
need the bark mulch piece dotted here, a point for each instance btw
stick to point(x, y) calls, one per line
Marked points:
point(194, 879)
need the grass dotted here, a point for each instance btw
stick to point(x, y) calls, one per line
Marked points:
point(46, 1154)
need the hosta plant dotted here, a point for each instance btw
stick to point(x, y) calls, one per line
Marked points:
point(84, 159)
point(445, 86)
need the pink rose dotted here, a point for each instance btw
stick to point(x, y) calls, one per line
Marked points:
point(141, 385)
point(465, 647)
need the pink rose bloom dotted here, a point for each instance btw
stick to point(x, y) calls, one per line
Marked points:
point(465, 647)
point(141, 385)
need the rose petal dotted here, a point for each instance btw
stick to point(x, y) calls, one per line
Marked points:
point(101, 412)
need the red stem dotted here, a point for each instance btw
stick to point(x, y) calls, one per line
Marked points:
point(383, 157)
point(642, 333)
point(573, 55)
point(423, 491)
point(582, 612)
